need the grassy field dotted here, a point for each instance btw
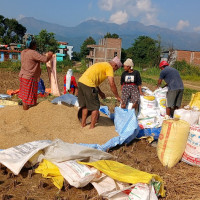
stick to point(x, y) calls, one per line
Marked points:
point(189, 74)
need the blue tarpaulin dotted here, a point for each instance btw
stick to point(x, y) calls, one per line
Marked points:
point(155, 132)
point(126, 126)
point(125, 121)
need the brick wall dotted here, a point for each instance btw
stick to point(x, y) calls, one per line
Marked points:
point(196, 60)
point(107, 49)
point(190, 57)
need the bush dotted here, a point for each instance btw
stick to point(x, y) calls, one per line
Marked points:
point(186, 69)
point(83, 66)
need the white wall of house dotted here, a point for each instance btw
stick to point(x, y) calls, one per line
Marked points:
point(70, 51)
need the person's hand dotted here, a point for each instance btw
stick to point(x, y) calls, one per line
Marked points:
point(50, 53)
point(119, 99)
point(102, 95)
point(141, 93)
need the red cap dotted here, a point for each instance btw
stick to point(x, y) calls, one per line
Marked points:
point(163, 63)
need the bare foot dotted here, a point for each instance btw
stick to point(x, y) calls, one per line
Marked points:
point(83, 125)
point(91, 127)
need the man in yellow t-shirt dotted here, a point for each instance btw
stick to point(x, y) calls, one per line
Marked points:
point(88, 85)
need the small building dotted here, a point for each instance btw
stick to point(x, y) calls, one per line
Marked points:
point(191, 57)
point(6, 55)
point(70, 51)
point(15, 46)
point(105, 51)
point(63, 51)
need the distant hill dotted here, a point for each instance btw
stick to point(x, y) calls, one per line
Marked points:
point(128, 32)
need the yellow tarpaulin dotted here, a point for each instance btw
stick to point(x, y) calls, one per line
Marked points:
point(49, 170)
point(125, 173)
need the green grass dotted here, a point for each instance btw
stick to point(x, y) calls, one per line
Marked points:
point(11, 65)
point(191, 78)
point(187, 94)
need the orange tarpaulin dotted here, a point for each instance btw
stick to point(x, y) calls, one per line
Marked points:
point(12, 92)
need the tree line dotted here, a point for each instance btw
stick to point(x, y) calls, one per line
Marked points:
point(144, 51)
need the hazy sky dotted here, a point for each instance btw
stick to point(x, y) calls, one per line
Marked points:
point(174, 14)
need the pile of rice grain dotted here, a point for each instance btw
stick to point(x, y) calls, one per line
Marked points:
point(47, 121)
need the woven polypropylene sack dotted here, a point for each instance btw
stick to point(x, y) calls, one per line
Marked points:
point(172, 141)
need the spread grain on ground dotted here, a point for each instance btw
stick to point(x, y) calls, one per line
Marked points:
point(47, 121)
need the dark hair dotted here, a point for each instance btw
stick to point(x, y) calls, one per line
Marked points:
point(32, 44)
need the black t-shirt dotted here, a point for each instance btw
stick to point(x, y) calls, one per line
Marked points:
point(133, 77)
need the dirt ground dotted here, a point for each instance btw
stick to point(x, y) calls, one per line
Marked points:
point(182, 182)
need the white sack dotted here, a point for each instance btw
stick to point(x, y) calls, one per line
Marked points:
point(77, 175)
point(138, 191)
point(15, 158)
point(192, 150)
point(190, 116)
point(105, 185)
point(160, 95)
point(61, 151)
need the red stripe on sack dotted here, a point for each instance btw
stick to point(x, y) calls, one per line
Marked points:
point(166, 138)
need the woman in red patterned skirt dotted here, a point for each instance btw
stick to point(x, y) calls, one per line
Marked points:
point(30, 74)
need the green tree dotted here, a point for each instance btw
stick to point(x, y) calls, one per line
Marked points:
point(11, 31)
point(84, 49)
point(123, 55)
point(145, 51)
point(46, 42)
point(76, 56)
point(109, 35)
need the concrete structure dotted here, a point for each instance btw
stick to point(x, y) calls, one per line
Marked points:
point(191, 57)
point(70, 51)
point(105, 51)
point(63, 50)
point(10, 52)
point(6, 55)
point(15, 46)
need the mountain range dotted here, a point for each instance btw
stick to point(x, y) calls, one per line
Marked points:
point(129, 31)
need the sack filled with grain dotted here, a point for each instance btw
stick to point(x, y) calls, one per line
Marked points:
point(172, 141)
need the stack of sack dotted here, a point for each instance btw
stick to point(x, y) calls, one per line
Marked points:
point(191, 154)
point(180, 137)
point(152, 108)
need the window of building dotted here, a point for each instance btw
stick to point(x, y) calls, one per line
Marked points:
point(115, 53)
point(15, 56)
